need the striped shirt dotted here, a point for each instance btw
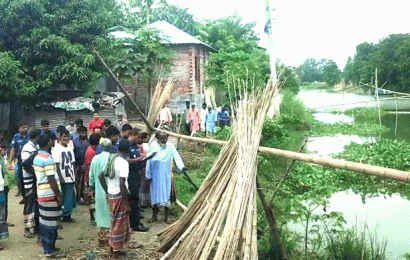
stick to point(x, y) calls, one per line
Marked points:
point(44, 166)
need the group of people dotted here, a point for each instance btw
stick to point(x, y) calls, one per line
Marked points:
point(58, 169)
point(198, 120)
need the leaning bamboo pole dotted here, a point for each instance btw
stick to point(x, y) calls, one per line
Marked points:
point(315, 159)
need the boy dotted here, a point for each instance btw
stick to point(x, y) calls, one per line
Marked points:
point(96, 122)
point(63, 155)
point(17, 143)
point(81, 144)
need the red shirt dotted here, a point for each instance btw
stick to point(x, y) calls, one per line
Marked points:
point(89, 155)
point(95, 123)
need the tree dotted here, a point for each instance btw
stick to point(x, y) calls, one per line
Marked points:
point(309, 71)
point(52, 42)
point(331, 73)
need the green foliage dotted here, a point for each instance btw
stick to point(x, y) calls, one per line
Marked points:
point(294, 112)
point(288, 78)
point(331, 73)
point(390, 56)
point(354, 244)
point(361, 129)
point(52, 43)
point(142, 55)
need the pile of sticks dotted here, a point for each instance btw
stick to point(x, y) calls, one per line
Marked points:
point(161, 96)
point(220, 222)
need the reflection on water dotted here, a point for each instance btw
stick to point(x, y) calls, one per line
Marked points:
point(333, 118)
point(388, 216)
point(328, 145)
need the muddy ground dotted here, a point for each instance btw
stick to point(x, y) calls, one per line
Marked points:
point(79, 238)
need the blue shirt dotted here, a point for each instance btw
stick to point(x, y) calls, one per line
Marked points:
point(135, 153)
point(80, 146)
point(99, 149)
point(50, 133)
point(18, 142)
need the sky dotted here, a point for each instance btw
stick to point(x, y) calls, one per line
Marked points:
point(316, 29)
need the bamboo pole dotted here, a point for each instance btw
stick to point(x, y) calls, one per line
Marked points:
point(100, 59)
point(325, 161)
point(278, 248)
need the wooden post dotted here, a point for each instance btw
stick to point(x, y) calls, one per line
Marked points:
point(100, 59)
point(277, 245)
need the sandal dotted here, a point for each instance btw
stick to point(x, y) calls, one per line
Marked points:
point(54, 255)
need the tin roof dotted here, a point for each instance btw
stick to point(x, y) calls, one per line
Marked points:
point(169, 33)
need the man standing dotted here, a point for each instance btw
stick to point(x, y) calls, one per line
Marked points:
point(202, 115)
point(78, 124)
point(194, 119)
point(121, 121)
point(96, 122)
point(17, 143)
point(81, 144)
point(49, 197)
point(89, 155)
point(158, 170)
point(71, 126)
point(125, 133)
point(210, 120)
point(223, 117)
point(116, 174)
point(165, 116)
point(112, 134)
point(102, 210)
point(45, 129)
point(63, 156)
point(4, 231)
point(30, 210)
point(137, 163)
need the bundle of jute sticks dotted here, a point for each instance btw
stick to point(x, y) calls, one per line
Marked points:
point(220, 221)
point(161, 96)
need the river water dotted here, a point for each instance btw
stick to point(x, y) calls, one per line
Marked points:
point(389, 216)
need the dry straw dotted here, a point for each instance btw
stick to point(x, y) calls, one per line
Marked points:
point(161, 96)
point(220, 221)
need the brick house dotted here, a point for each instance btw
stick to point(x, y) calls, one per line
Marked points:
point(190, 56)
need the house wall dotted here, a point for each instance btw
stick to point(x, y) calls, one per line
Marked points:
point(188, 69)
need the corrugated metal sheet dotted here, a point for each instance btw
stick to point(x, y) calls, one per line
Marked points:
point(60, 117)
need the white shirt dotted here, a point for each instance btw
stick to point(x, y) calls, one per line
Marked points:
point(65, 157)
point(28, 149)
point(121, 168)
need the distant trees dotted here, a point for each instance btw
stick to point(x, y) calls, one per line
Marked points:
point(391, 57)
point(322, 71)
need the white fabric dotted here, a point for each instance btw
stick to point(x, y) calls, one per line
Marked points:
point(202, 116)
point(1, 179)
point(28, 149)
point(64, 156)
point(165, 115)
point(121, 167)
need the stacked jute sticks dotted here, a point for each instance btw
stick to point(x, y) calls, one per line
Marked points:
point(161, 96)
point(220, 221)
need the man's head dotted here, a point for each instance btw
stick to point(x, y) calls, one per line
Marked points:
point(94, 140)
point(44, 142)
point(162, 137)
point(83, 132)
point(71, 121)
point(34, 134)
point(126, 130)
point(135, 136)
point(65, 138)
point(45, 124)
point(3, 148)
point(209, 109)
point(192, 106)
point(187, 103)
point(78, 123)
point(204, 106)
point(107, 123)
point(97, 131)
point(124, 147)
point(96, 115)
point(59, 130)
point(112, 133)
point(23, 128)
point(120, 117)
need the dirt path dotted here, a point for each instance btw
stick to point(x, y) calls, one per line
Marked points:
point(79, 238)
